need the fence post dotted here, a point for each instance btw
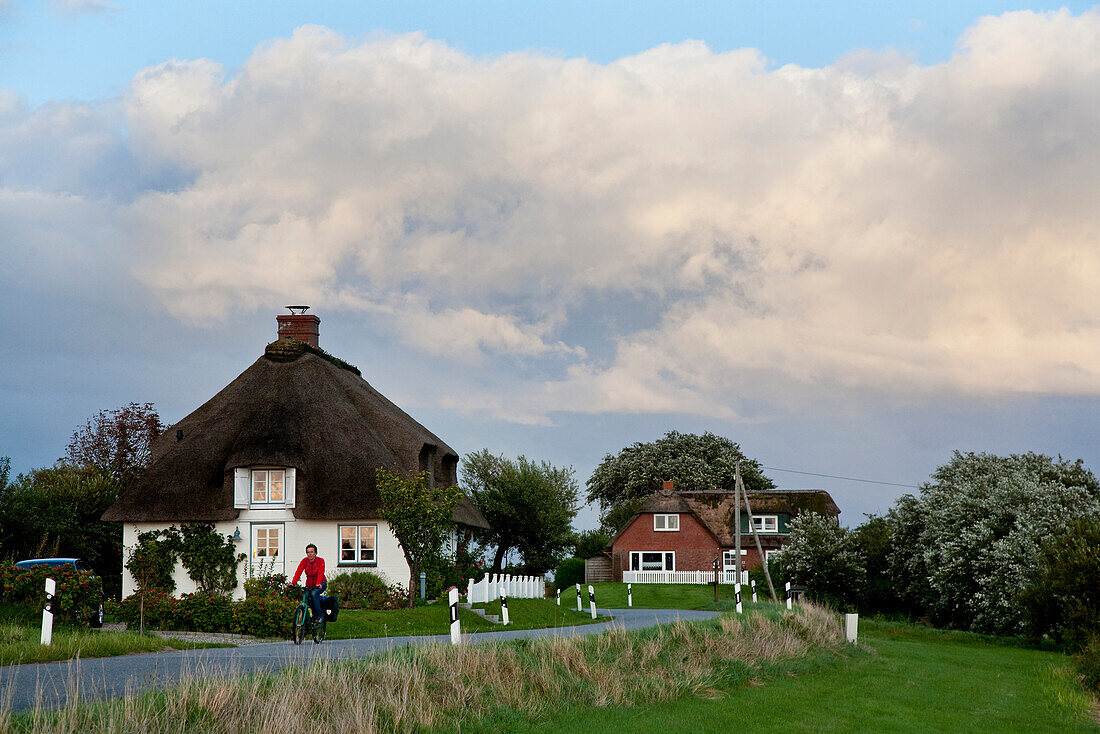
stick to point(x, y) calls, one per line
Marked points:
point(629, 596)
point(579, 608)
point(787, 593)
point(592, 600)
point(504, 605)
point(456, 629)
point(753, 584)
point(737, 595)
point(851, 627)
point(47, 612)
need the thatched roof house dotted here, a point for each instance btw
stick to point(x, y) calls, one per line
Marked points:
point(296, 406)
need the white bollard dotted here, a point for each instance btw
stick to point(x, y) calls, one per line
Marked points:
point(737, 596)
point(579, 607)
point(629, 596)
point(851, 627)
point(787, 593)
point(592, 600)
point(557, 594)
point(456, 628)
point(753, 584)
point(47, 612)
point(503, 606)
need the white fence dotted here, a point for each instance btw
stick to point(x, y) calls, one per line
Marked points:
point(517, 587)
point(682, 577)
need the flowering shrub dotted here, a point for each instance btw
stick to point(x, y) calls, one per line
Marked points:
point(269, 584)
point(77, 597)
point(203, 611)
point(160, 610)
point(263, 616)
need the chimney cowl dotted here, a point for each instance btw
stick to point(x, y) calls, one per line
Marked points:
point(300, 326)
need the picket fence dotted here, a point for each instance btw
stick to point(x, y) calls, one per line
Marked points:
point(682, 577)
point(517, 587)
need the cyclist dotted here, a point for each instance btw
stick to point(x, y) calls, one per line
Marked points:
point(314, 568)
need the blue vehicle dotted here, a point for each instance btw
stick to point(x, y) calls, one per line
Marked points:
point(96, 620)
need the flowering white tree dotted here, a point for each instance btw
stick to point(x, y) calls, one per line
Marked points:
point(984, 520)
point(826, 558)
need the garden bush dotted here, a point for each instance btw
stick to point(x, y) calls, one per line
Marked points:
point(263, 616)
point(367, 590)
point(1063, 597)
point(203, 611)
point(78, 592)
point(1088, 664)
point(571, 571)
point(269, 584)
point(160, 610)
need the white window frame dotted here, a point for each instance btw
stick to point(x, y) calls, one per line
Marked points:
point(664, 523)
point(666, 556)
point(269, 564)
point(771, 554)
point(763, 521)
point(358, 545)
point(267, 501)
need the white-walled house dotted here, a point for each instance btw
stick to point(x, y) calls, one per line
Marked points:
point(286, 455)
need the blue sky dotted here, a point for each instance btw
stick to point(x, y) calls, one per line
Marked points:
point(852, 237)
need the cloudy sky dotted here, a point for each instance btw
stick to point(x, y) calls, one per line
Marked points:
point(852, 239)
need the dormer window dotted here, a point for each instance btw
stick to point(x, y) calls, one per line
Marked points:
point(263, 488)
point(666, 522)
point(268, 486)
point(766, 523)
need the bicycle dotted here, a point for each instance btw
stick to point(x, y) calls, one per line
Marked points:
point(304, 624)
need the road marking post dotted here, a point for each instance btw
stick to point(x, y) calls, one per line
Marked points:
point(787, 593)
point(851, 627)
point(592, 600)
point(557, 594)
point(629, 596)
point(737, 595)
point(503, 605)
point(47, 612)
point(752, 583)
point(456, 627)
point(579, 608)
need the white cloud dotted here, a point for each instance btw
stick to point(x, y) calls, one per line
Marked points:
point(74, 7)
point(874, 226)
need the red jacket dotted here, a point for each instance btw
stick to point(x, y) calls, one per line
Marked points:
point(315, 571)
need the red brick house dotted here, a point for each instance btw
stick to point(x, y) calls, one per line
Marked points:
point(686, 531)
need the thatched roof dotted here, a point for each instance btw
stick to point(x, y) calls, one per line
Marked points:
point(296, 406)
point(714, 509)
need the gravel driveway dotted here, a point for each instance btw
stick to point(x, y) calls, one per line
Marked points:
point(55, 684)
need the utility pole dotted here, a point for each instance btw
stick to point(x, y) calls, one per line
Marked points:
point(739, 488)
point(737, 522)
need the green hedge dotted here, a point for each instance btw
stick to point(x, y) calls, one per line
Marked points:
point(570, 572)
point(78, 592)
point(262, 616)
point(367, 590)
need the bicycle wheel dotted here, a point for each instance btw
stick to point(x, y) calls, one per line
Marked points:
point(299, 624)
point(319, 631)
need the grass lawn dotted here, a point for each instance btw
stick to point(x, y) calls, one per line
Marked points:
point(435, 619)
point(663, 596)
point(22, 644)
point(914, 680)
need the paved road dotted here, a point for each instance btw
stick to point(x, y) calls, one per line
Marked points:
point(55, 684)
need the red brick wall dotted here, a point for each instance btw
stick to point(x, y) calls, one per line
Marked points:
point(695, 547)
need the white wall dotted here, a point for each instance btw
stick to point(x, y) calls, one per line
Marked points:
point(297, 534)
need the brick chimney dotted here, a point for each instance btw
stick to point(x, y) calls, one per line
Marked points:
point(667, 486)
point(298, 325)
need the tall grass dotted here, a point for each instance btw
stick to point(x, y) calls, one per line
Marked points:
point(439, 686)
point(19, 644)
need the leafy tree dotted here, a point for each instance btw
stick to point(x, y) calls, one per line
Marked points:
point(874, 542)
point(117, 442)
point(826, 558)
point(590, 543)
point(419, 515)
point(690, 461)
point(985, 519)
point(151, 561)
point(1063, 597)
point(210, 558)
point(529, 506)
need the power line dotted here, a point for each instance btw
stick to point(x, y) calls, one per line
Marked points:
point(834, 476)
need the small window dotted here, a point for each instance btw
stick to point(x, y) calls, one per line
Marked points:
point(771, 555)
point(358, 544)
point(766, 523)
point(268, 486)
point(666, 522)
point(652, 561)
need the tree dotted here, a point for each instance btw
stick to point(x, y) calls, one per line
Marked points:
point(118, 442)
point(983, 520)
point(529, 506)
point(1062, 598)
point(688, 460)
point(826, 558)
point(590, 543)
point(420, 516)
